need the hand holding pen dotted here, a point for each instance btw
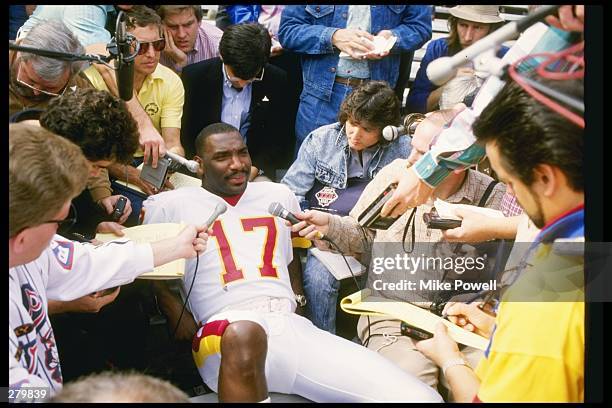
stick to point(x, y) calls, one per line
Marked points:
point(470, 316)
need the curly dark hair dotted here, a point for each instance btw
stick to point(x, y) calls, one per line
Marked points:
point(374, 103)
point(96, 121)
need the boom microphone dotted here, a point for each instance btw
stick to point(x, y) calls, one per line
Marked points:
point(220, 208)
point(278, 210)
point(442, 69)
point(124, 65)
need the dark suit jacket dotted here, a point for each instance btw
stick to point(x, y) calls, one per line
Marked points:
point(268, 138)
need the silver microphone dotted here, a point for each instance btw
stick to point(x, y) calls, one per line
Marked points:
point(191, 165)
point(220, 208)
point(278, 210)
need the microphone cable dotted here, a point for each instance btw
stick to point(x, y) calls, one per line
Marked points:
point(359, 288)
point(195, 272)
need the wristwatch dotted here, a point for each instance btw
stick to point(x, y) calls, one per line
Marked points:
point(301, 300)
point(454, 362)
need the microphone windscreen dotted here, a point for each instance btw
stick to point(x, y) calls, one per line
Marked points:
point(220, 208)
point(276, 209)
point(441, 70)
point(125, 79)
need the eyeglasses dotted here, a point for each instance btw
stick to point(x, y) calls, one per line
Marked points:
point(20, 82)
point(258, 78)
point(67, 222)
point(158, 45)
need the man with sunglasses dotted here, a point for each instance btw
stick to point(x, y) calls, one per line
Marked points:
point(242, 89)
point(158, 90)
point(45, 172)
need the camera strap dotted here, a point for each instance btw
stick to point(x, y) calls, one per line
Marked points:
point(487, 193)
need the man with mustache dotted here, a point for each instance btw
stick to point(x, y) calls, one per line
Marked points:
point(250, 341)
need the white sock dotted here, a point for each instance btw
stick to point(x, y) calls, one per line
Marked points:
point(267, 400)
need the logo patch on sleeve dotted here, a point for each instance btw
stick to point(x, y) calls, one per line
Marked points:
point(64, 253)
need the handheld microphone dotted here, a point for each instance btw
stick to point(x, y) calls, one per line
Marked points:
point(278, 210)
point(124, 64)
point(191, 165)
point(220, 208)
point(442, 69)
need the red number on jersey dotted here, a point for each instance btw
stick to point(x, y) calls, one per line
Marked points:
point(231, 271)
point(266, 268)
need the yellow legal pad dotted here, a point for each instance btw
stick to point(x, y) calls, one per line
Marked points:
point(362, 303)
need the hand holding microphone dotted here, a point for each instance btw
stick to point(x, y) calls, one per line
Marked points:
point(193, 239)
point(310, 225)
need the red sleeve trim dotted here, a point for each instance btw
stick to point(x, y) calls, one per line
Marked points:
point(476, 400)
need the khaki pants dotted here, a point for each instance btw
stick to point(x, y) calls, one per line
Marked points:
point(401, 350)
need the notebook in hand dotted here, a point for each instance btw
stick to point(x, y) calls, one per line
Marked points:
point(363, 304)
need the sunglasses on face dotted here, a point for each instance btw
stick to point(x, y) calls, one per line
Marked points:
point(67, 222)
point(158, 45)
point(33, 88)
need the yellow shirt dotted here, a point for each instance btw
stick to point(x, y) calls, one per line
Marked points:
point(162, 96)
point(537, 349)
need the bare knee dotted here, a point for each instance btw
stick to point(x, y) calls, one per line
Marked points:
point(243, 348)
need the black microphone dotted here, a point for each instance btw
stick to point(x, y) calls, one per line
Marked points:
point(220, 208)
point(278, 210)
point(124, 65)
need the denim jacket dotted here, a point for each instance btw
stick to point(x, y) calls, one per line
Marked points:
point(309, 29)
point(324, 157)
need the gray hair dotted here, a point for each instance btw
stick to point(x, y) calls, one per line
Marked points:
point(120, 387)
point(457, 89)
point(55, 36)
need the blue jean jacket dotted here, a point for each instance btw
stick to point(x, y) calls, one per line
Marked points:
point(324, 156)
point(308, 30)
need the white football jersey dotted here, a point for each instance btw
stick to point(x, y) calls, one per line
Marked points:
point(247, 254)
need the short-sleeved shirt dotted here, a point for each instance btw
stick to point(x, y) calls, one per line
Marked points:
point(162, 96)
point(87, 22)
